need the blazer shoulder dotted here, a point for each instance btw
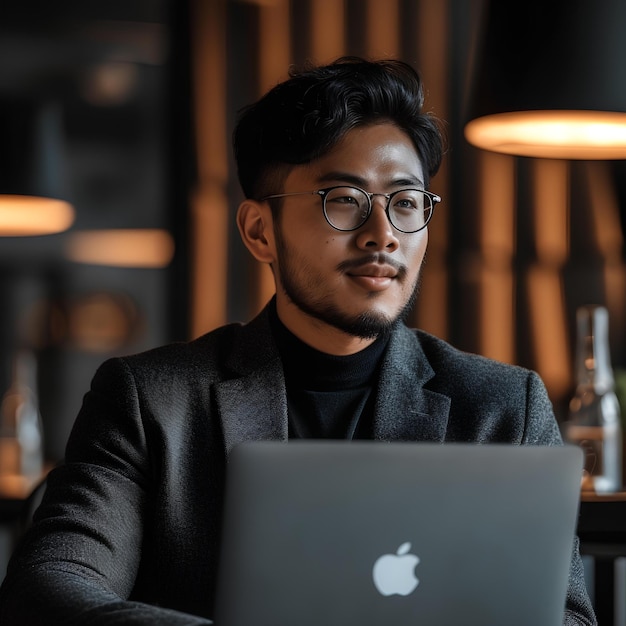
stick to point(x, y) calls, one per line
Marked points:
point(208, 347)
point(454, 363)
point(490, 400)
point(228, 351)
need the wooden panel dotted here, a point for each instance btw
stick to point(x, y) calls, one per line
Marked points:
point(274, 60)
point(546, 295)
point(496, 215)
point(382, 35)
point(431, 34)
point(209, 220)
point(327, 30)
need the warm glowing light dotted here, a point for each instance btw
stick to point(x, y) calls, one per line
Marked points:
point(148, 248)
point(552, 134)
point(22, 216)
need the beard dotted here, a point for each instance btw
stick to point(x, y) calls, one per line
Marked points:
point(306, 291)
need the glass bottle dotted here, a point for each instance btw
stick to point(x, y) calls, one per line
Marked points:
point(594, 420)
point(21, 432)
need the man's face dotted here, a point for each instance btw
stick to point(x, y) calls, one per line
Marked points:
point(358, 282)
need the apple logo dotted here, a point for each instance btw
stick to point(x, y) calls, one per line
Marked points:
point(394, 574)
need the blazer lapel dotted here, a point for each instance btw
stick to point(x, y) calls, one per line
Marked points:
point(252, 404)
point(405, 410)
point(253, 408)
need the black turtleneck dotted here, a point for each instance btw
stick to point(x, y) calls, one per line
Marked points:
point(328, 396)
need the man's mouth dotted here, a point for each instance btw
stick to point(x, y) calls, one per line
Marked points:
point(373, 270)
point(375, 273)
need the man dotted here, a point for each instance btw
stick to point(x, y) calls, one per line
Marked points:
point(335, 164)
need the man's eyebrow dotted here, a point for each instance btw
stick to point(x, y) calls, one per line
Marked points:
point(407, 182)
point(342, 177)
point(358, 181)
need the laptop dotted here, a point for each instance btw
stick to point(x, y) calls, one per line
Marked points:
point(368, 533)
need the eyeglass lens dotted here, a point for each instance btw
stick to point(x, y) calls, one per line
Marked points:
point(347, 208)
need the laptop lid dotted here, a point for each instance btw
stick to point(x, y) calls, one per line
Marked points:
point(369, 533)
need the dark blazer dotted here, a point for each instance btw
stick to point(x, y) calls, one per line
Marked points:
point(128, 530)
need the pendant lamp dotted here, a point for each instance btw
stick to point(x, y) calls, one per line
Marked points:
point(550, 80)
point(31, 172)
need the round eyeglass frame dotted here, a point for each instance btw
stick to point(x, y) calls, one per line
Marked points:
point(323, 193)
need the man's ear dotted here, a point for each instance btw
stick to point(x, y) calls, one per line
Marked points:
point(254, 220)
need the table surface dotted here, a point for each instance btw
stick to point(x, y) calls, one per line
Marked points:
point(587, 496)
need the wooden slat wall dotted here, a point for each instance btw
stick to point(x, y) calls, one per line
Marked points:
point(496, 212)
point(549, 186)
point(209, 232)
point(431, 52)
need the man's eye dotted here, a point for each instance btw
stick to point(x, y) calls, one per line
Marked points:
point(345, 200)
point(405, 203)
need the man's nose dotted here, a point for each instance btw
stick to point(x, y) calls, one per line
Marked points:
point(378, 233)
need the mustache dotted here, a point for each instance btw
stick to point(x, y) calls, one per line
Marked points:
point(380, 258)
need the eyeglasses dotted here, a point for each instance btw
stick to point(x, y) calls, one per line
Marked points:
point(348, 208)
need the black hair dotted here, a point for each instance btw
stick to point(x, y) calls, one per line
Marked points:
point(303, 118)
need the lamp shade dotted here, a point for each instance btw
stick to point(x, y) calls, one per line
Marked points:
point(550, 80)
point(31, 172)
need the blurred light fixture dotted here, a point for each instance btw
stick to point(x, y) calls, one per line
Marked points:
point(110, 84)
point(143, 248)
point(549, 80)
point(31, 170)
point(23, 216)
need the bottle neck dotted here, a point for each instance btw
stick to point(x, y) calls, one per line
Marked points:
point(593, 358)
